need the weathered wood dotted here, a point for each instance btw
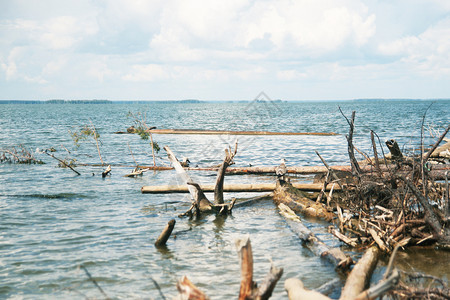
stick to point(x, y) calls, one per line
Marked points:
point(165, 234)
point(297, 201)
point(296, 291)
point(393, 147)
point(230, 132)
point(248, 288)
point(435, 146)
point(338, 258)
point(188, 291)
point(360, 275)
point(218, 189)
point(380, 288)
point(236, 188)
point(437, 171)
point(197, 194)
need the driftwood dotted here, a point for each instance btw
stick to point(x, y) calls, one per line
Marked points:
point(393, 147)
point(360, 275)
point(230, 132)
point(63, 163)
point(236, 188)
point(188, 291)
point(165, 234)
point(248, 288)
point(299, 202)
point(338, 258)
point(296, 291)
point(107, 171)
point(228, 160)
point(200, 202)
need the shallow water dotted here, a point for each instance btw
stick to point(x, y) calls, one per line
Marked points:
point(52, 221)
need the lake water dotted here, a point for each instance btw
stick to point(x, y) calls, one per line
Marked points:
point(52, 221)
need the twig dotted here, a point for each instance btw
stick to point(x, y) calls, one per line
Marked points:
point(94, 282)
point(158, 288)
point(62, 162)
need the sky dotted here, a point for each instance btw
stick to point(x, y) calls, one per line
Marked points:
point(224, 50)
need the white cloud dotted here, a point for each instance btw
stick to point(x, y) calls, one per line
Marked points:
point(233, 45)
point(427, 53)
point(150, 72)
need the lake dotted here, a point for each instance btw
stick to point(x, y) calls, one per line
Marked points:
point(52, 220)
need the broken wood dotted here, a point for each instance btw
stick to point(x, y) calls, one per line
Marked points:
point(107, 171)
point(235, 188)
point(338, 258)
point(63, 163)
point(393, 147)
point(296, 291)
point(188, 291)
point(200, 200)
point(360, 275)
point(228, 160)
point(298, 201)
point(230, 132)
point(248, 288)
point(165, 234)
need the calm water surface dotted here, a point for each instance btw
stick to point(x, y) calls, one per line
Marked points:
point(52, 221)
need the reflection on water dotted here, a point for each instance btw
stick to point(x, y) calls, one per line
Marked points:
point(52, 221)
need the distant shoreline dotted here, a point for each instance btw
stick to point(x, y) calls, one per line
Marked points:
point(194, 101)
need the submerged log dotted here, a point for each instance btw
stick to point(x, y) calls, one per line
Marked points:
point(335, 255)
point(299, 202)
point(236, 188)
point(360, 275)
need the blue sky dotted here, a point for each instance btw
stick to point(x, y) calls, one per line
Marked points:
point(224, 50)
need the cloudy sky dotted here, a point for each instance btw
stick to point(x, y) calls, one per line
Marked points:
point(224, 50)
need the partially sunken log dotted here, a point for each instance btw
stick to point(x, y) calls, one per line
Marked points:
point(360, 275)
point(299, 202)
point(165, 234)
point(335, 255)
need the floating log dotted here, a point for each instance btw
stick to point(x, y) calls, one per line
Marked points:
point(335, 255)
point(360, 275)
point(229, 132)
point(237, 188)
point(298, 201)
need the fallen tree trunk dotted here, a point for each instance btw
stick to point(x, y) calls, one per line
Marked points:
point(297, 201)
point(335, 255)
point(271, 170)
point(360, 275)
point(231, 132)
point(260, 187)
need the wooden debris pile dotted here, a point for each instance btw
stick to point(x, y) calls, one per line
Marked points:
point(405, 201)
